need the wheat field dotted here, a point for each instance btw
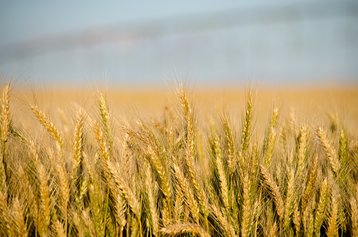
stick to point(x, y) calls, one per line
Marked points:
point(86, 169)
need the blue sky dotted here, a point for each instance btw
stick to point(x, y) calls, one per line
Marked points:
point(210, 42)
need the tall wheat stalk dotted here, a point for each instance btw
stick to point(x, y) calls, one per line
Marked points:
point(4, 134)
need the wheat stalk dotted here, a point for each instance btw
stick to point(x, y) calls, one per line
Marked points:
point(321, 206)
point(329, 150)
point(29, 202)
point(45, 201)
point(60, 231)
point(333, 217)
point(223, 221)
point(198, 187)
point(274, 191)
point(98, 207)
point(308, 217)
point(307, 195)
point(150, 189)
point(343, 154)
point(354, 215)
point(101, 143)
point(191, 153)
point(273, 230)
point(77, 223)
point(221, 172)
point(230, 145)
point(178, 204)
point(5, 221)
point(297, 218)
point(289, 202)
point(187, 191)
point(184, 228)
point(4, 134)
point(124, 189)
point(162, 172)
point(64, 192)
point(166, 215)
point(301, 151)
point(121, 213)
point(246, 208)
point(18, 218)
point(77, 173)
point(343, 157)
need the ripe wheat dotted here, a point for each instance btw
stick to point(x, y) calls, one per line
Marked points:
point(173, 177)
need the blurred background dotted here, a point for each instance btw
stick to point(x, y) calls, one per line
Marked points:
point(205, 43)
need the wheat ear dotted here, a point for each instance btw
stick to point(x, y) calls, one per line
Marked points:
point(18, 218)
point(124, 189)
point(308, 218)
point(5, 218)
point(270, 138)
point(333, 217)
point(77, 173)
point(185, 228)
point(274, 191)
point(5, 117)
point(297, 218)
point(321, 207)
point(222, 173)
point(329, 150)
point(121, 209)
point(101, 142)
point(187, 191)
point(198, 186)
point(246, 125)
point(60, 231)
point(158, 166)
point(246, 208)
point(64, 192)
point(190, 152)
point(273, 230)
point(289, 202)
point(230, 145)
point(301, 151)
point(78, 141)
point(307, 195)
point(50, 127)
point(153, 211)
point(189, 123)
point(45, 201)
point(106, 124)
point(223, 221)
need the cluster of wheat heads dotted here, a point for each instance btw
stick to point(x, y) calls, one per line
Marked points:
point(170, 178)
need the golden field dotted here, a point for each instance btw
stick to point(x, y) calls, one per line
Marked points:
point(199, 162)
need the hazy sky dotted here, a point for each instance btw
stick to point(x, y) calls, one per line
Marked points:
point(213, 42)
point(21, 20)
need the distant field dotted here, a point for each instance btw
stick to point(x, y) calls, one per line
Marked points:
point(153, 162)
point(310, 106)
